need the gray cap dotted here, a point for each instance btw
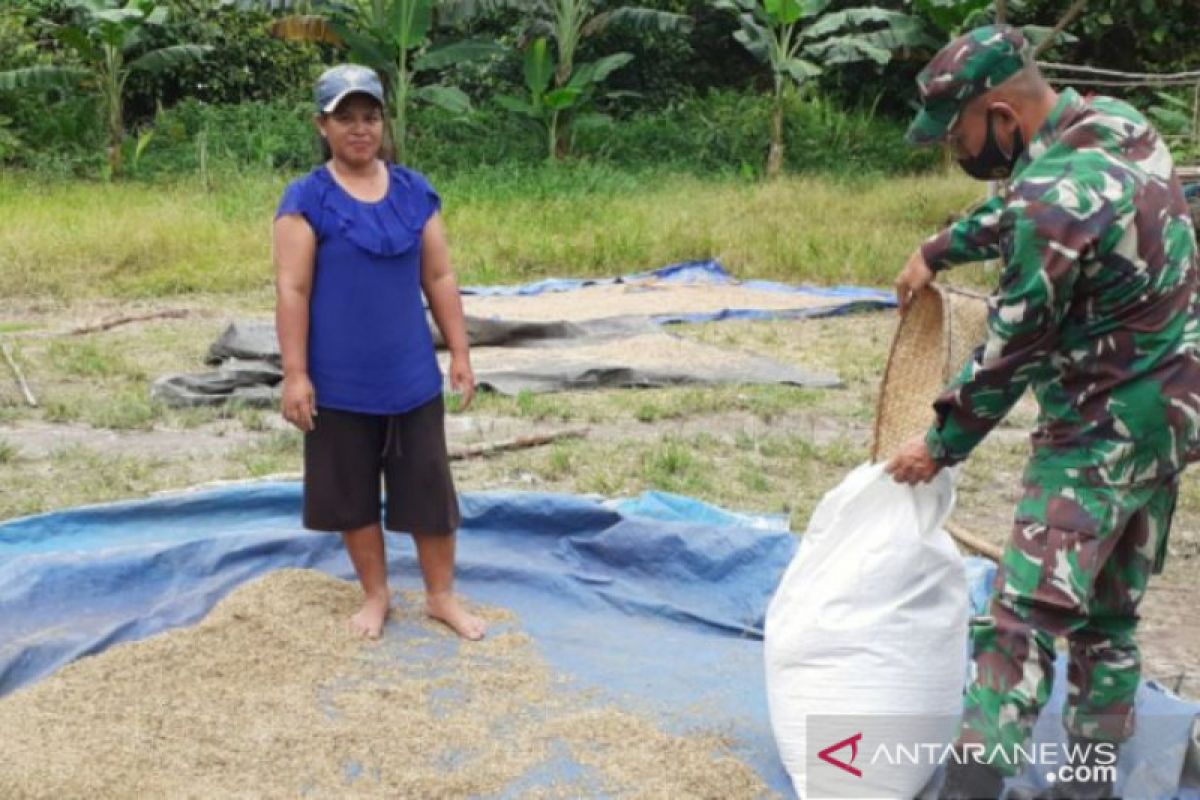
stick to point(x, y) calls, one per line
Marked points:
point(337, 83)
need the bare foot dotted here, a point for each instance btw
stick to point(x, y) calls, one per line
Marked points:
point(368, 622)
point(445, 608)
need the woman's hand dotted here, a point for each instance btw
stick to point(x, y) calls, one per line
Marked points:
point(462, 379)
point(299, 401)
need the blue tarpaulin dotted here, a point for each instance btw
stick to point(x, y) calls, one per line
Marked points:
point(656, 602)
point(856, 298)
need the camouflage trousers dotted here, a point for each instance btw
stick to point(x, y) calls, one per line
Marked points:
point(1076, 566)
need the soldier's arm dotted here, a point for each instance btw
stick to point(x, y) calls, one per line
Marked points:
point(1041, 246)
point(975, 237)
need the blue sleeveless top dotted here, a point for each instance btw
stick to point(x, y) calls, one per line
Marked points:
point(370, 349)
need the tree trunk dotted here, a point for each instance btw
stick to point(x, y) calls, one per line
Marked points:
point(553, 145)
point(396, 134)
point(397, 128)
point(113, 89)
point(775, 154)
point(116, 135)
point(114, 159)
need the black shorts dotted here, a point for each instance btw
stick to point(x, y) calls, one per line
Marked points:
point(345, 455)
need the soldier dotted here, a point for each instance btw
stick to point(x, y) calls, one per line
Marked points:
point(1096, 312)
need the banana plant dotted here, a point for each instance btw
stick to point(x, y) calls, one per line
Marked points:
point(567, 23)
point(572, 21)
point(564, 25)
point(393, 38)
point(105, 38)
point(546, 104)
point(797, 40)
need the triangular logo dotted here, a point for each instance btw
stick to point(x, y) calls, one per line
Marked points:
point(852, 743)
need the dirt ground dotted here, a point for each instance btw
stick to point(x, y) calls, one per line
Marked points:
point(97, 437)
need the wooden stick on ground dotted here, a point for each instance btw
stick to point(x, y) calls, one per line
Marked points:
point(974, 543)
point(519, 443)
point(174, 313)
point(25, 390)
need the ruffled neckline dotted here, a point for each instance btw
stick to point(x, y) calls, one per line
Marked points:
point(388, 227)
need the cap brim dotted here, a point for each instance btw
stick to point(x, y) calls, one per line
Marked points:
point(340, 96)
point(927, 128)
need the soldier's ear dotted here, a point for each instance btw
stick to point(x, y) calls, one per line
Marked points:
point(1004, 115)
point(1005, 122)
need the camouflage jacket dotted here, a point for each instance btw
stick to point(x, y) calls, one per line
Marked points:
point(1096, 308)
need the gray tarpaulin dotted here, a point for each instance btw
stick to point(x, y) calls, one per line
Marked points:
point(642, 360)
point(247, 371)
point(509, 356)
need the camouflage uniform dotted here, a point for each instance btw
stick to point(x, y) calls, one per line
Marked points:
point(1097, 313)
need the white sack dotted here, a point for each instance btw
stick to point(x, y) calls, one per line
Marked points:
point(869, 619)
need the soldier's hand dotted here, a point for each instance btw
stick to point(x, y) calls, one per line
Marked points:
point(912, 464)
point(915, 276)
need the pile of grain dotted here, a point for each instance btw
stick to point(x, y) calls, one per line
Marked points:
point(639, 299)
point(271, 697)
point(645, 351)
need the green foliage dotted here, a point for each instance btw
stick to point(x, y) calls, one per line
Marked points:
point(107, 40)
point(272, 135)
point(393, 37)
point(1174, 116)
point(726, 132)
point(723, 132)
point(53, 131)
point(1127, 35)
point(246, 62)
point(799, 39)
point(560, 90)
point(952, 17)
point(685, 71)
point(18, 46)
point(10, 143)
point(667, 66)
point(546, 105)
point(56, 138)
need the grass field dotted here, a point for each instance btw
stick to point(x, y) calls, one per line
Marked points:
point(74, 240)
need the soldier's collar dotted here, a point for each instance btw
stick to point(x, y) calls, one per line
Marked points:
point(1059, 119)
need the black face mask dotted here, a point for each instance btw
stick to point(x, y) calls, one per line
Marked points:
point(992, 163)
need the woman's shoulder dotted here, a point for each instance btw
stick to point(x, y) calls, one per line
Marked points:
point(315, 180)
point(409, 179)
point(304, 195)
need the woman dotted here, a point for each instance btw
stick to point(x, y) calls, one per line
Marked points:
point(357, 241)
